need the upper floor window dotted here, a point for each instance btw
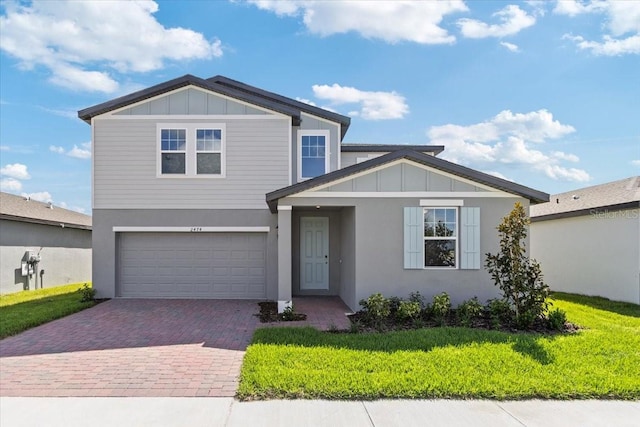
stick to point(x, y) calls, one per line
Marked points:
point(313, 153)
point(192, 150)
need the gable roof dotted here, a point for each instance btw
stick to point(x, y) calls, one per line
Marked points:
point(18, 208)
point(223, 86)
point(387, 148)
point(616, 195)
point(534, 196)
point(302, 106)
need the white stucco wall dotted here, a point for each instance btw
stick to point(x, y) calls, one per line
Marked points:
point(593, 254)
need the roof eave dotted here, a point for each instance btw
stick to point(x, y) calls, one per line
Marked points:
point(533, 195)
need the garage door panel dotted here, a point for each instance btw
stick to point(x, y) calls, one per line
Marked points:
point(192, 265)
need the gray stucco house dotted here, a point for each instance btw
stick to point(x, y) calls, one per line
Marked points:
point(58, 239)
point(588, 240)
point(217, 189)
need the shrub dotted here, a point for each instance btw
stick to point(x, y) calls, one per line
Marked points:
point(408, 310)
point(557, 318)
point(418, 298)
point(469, 310)
point(87, 293)
point(499, 312)
point(518, 276)
point(288, 313)
point(376, 308)
point(441, 306)
point(394, 305)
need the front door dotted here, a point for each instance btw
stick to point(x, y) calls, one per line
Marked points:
point(314, 253)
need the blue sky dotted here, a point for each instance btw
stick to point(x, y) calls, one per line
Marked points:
point(544, 93)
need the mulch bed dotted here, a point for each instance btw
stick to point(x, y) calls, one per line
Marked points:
point(269, 313)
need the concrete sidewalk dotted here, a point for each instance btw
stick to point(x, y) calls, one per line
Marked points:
point(213, 412)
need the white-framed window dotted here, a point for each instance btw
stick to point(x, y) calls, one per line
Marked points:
point(313, 153)
point(440, 237)
point(192, 150)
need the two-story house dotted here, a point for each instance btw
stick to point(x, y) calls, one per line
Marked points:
point(217, 189)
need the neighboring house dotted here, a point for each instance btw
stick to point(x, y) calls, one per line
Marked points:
point(588, 240)
point(42, 245)
point(180, 175)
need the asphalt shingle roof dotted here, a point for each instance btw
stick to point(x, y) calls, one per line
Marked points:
point(621, 194)
point(18, 208)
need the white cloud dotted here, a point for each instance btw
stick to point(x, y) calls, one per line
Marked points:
point(373, 105)
point(81, 152)
point(306, 101)
point(622, 19)
point(56, 149)
point(609, 46)
point(82, 43)
point(510, 46)
point(5, 148)
point(512, 21)
point(635, 163)
point(42, 196)
point(391, 21)
point(506, 139)
point(15, 170)
point(10, 184)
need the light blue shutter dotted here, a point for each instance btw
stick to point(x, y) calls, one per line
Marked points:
point(413, 238)
point(470, 238)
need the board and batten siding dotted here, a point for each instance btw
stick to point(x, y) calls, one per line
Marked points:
point(125, 165)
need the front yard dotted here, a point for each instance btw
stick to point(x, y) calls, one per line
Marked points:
point(602, 360)
point(23, 310)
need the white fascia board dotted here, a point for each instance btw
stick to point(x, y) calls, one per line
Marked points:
point(110, 113)
point(285, 208)
point(194, 229)
point(441, 202)
point(401, 194)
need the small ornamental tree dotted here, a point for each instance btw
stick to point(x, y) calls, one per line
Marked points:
point(518, 276)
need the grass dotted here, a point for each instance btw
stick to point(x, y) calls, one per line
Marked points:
point(24, 310)
point(600, 361)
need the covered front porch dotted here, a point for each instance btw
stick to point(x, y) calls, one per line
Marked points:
point(316, 253)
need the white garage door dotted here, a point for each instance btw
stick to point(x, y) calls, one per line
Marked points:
point(192, 265)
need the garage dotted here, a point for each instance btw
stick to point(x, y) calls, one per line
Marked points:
point(192, 265)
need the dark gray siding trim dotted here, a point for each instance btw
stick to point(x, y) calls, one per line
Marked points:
point(376, 148)
point(599, 210)
point(534, 196)
point(44, 222)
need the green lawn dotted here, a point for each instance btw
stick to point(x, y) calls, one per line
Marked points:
point(600, 361)
point(23, 310)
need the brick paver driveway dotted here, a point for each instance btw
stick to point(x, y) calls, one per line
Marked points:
point(132, 348)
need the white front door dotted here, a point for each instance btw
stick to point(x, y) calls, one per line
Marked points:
point(314, 253)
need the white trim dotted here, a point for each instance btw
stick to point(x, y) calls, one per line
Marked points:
point(190, 86)
point(290, 151)
point(190, 151)
point(339, 154)
point(440, 202)
point(401, 194)
point(194, 229)
point(411, 163)
point(285, 208)
point(183, 117)
point(327, 149)
point(93, 163)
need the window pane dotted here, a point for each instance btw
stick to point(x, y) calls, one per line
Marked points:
point(217, 134)
point(217, 145)
point(173, 163)
point(209, 163)
point(312, 167)
point(439, 253)
point(451, 215)
point(305, 141)
point(440, 215)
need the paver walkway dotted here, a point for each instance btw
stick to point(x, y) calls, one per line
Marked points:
point(137, 347)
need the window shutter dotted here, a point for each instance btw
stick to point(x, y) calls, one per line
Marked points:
point(470, 239)
point(413, 238)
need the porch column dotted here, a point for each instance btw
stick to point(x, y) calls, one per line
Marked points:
point(284, 257)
